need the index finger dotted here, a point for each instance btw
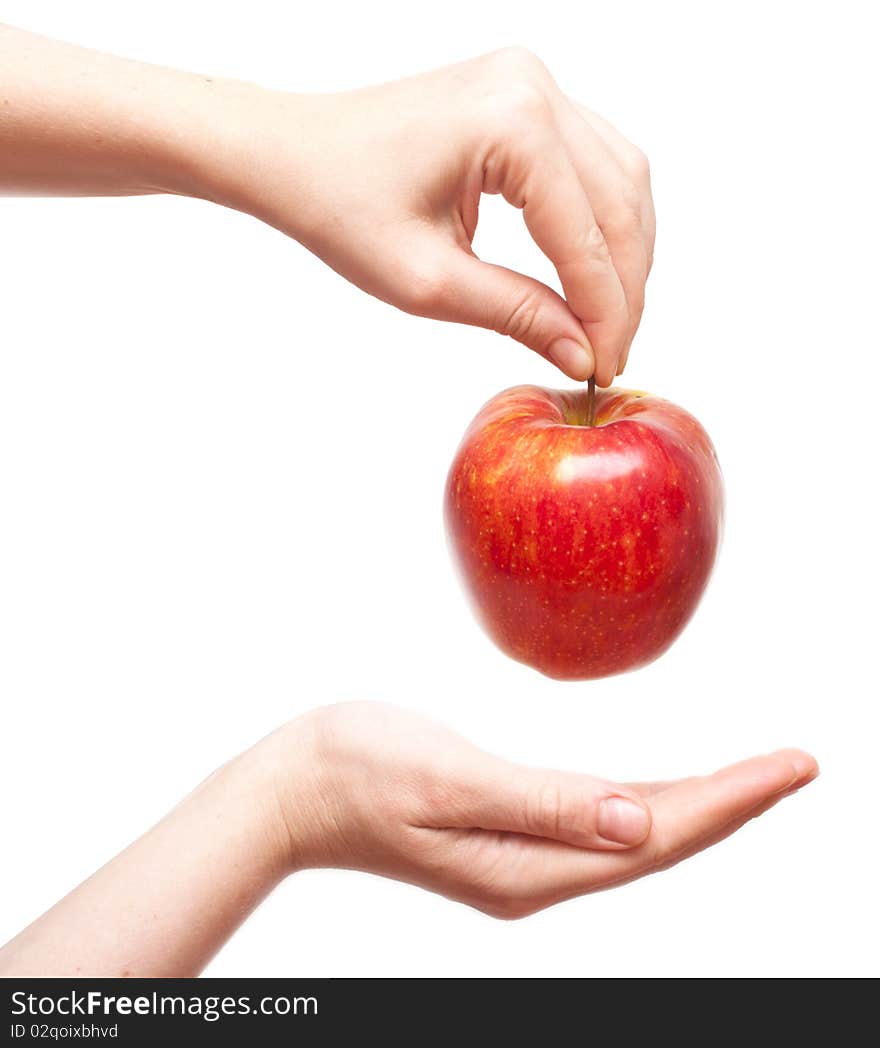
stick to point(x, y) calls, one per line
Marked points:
point(561, 221)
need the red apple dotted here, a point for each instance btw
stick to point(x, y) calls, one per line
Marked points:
point(584, 548)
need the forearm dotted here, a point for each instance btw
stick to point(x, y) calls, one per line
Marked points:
point(80, 123)
point(166, 904)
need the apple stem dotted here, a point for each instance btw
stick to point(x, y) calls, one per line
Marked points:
point(591, 401)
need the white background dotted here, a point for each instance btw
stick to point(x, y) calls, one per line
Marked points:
point(221, 471)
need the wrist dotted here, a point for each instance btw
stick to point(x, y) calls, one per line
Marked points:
point(196, 129)
point(237, 805)
point(294, 793)
point(234, 140)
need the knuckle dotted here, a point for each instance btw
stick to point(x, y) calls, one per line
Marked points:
point(625, 227)
point(638, 166)
point(518, 109)
point(547, 811)
point(521, 322)
point(516, 63)
point(595, 244)
point(661, 857)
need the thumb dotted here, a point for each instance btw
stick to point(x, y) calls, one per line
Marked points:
point(489, 296)
point(563, 806)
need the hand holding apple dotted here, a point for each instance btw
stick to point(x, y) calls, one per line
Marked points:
point(585, 548)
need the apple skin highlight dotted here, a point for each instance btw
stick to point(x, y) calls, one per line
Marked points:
point(584, 549)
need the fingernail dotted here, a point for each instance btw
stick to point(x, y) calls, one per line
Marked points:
point(574, 359)
point(803, 764)
point(805, 771)
point(623, 821)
